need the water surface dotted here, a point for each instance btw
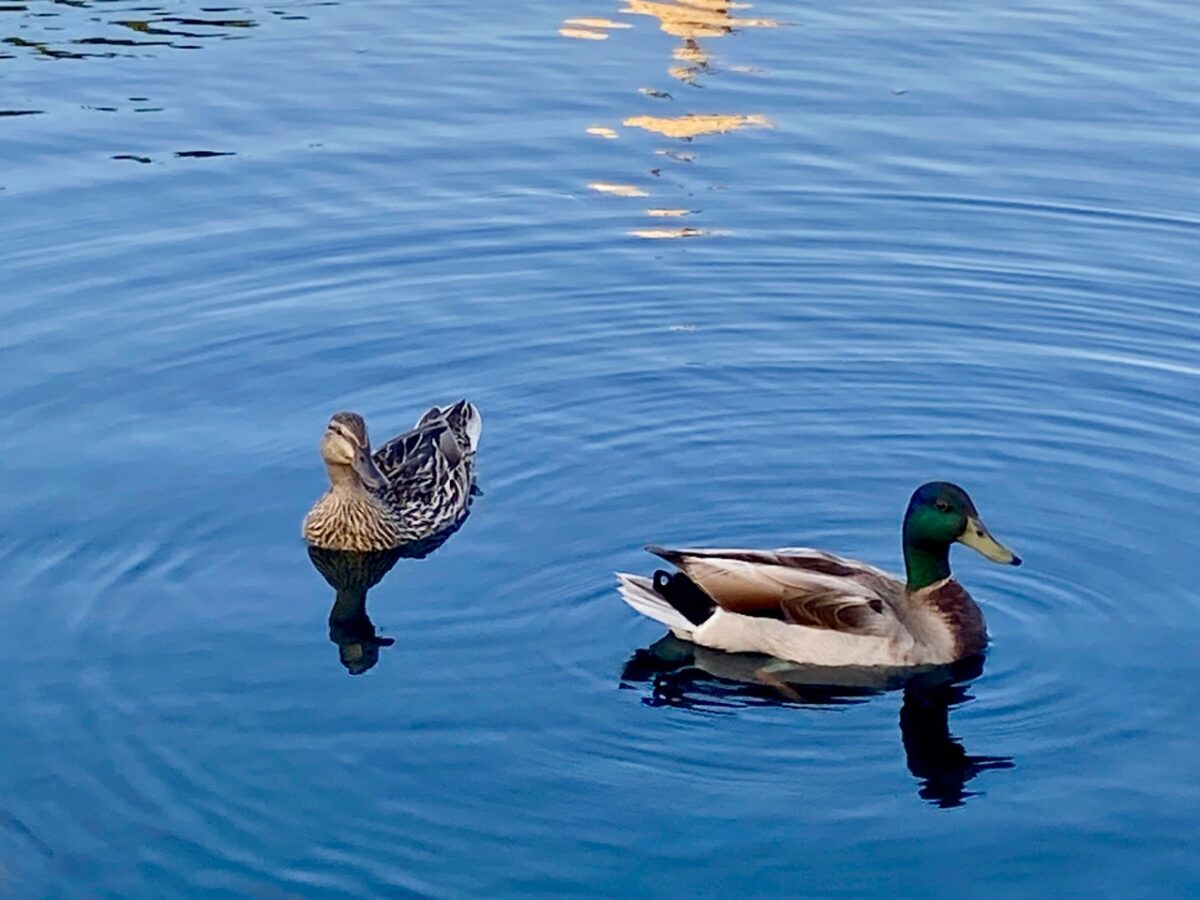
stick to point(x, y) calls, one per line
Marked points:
point(889, 244)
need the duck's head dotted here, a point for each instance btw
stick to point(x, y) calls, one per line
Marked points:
point(940, 514)
point(346, 450)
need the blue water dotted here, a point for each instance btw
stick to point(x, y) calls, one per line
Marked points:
point(951, 242)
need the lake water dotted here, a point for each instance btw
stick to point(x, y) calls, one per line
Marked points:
point(893, 242)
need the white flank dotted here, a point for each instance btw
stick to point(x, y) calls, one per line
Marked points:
point(800, 643)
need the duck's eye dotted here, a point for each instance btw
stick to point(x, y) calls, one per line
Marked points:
point(941, 506)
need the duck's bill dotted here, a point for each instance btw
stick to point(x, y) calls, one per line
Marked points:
point(366, 469)
point(978, 538)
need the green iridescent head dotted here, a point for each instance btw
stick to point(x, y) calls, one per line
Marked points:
point(940, 514)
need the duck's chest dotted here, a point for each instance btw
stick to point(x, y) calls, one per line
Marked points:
point(340, 522)
point(944, 619)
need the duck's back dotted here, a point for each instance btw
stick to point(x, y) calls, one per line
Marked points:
point(464, 420)
point(430, 470)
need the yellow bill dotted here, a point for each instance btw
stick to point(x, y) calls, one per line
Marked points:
point(977, 537)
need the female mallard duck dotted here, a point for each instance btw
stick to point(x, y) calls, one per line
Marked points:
point(414, 486)
point(812, 607)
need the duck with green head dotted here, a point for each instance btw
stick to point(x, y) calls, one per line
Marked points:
point(809, 606)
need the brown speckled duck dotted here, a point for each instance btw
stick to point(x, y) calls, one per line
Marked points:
point(414, 486)
point(812, 607)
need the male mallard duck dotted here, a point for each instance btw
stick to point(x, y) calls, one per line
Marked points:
point(812, 607)
point(414, 486)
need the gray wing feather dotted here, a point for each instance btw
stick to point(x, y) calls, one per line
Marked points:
point(429, 472)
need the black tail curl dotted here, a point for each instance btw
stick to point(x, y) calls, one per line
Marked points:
point(685, 595)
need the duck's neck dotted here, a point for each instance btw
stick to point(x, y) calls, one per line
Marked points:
point(925, 562)
point(344, 481)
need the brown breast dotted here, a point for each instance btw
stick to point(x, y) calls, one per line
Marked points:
point(962, 616)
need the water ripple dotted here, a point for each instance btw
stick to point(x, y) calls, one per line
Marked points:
point(945, 259)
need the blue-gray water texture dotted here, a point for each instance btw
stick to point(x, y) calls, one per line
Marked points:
point(731, 276)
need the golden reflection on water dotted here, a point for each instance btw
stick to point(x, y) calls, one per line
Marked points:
point(690, 126)
point(617, 190)
point(695, 23)
point(659, 234)
point(583, 34)
point(597, 23)
point(590, 28)
point(691, 20)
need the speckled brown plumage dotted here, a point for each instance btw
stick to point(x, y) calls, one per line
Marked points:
point(429, 475)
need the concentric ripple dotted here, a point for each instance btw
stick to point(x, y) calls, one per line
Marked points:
point(964, 249)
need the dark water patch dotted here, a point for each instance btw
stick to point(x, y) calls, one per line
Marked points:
point(145, 26)
point(120, 42)
point(14, 824)
point(44, 49)
point(215, 23)
point(175, 669)
point(161, 26)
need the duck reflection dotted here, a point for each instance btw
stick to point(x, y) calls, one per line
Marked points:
point(681, 674)
point(351, 574)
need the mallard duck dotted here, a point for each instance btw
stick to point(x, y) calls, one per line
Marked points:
point(812, 607)
point(414, 486)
